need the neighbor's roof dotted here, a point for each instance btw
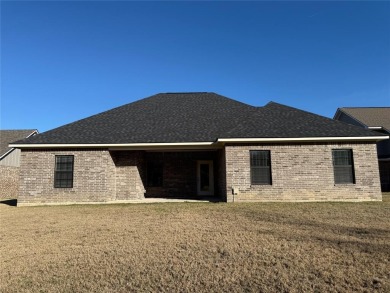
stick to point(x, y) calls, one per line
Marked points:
point(370, 116)
point(194, 117)
point(9, 136)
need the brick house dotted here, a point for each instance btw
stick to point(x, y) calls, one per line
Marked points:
point(374, 118)
point(10, 161)
point(196, 145)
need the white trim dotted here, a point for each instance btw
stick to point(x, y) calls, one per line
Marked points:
point(6, 153)
point(117, 145)
point(32, 133)
point(176, 150)
point(374, 127)
point(211, 147)
point(200, 144)
point(303, 139)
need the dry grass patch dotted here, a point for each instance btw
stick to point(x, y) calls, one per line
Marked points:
point(188, 247)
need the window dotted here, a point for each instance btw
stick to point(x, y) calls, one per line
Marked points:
point(154, 174)
point(261, 167)
point(343, 166)
point(63, 174)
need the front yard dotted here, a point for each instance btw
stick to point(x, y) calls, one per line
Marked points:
point(196, 247)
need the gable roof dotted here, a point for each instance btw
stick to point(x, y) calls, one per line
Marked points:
point(369, 116)
point(193, 118)
point(9, 136)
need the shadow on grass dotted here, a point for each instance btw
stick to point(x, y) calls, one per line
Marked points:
point(9, 202)
point(213, 199)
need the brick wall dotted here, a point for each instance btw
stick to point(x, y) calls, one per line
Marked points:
point(303, 172)
point(94, 177)
point(9, 182)
point(129, 174)
point(102, 175)
point(300, 172)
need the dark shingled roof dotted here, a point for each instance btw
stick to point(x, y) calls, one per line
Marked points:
point(9, 136)
point(279, 121)
point(194, 117)
point(370, 116)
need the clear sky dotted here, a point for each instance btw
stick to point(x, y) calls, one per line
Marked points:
point(63, 61)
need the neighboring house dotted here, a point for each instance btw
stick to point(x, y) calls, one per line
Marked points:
point(194, 145)
point(374, 118)
point(10, 160)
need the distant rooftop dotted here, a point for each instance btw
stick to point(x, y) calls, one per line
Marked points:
point(9, 136)
point(370, 116)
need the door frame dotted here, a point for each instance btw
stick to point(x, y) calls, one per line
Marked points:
point(210, 163)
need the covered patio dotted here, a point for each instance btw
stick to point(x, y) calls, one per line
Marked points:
point(171, 174)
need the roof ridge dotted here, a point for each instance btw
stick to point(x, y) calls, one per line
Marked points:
point(212, 93)
point(183, 93)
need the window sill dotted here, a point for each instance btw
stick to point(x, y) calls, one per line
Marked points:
point(344, 184)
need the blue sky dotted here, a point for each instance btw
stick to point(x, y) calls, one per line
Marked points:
point(63, 61)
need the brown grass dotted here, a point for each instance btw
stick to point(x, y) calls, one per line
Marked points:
point(196, 247)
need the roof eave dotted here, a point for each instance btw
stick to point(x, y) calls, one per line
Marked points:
point(302, 139)
point(124, 146)
point(199, 145)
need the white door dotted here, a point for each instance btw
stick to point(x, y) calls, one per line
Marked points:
point(205, 178)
